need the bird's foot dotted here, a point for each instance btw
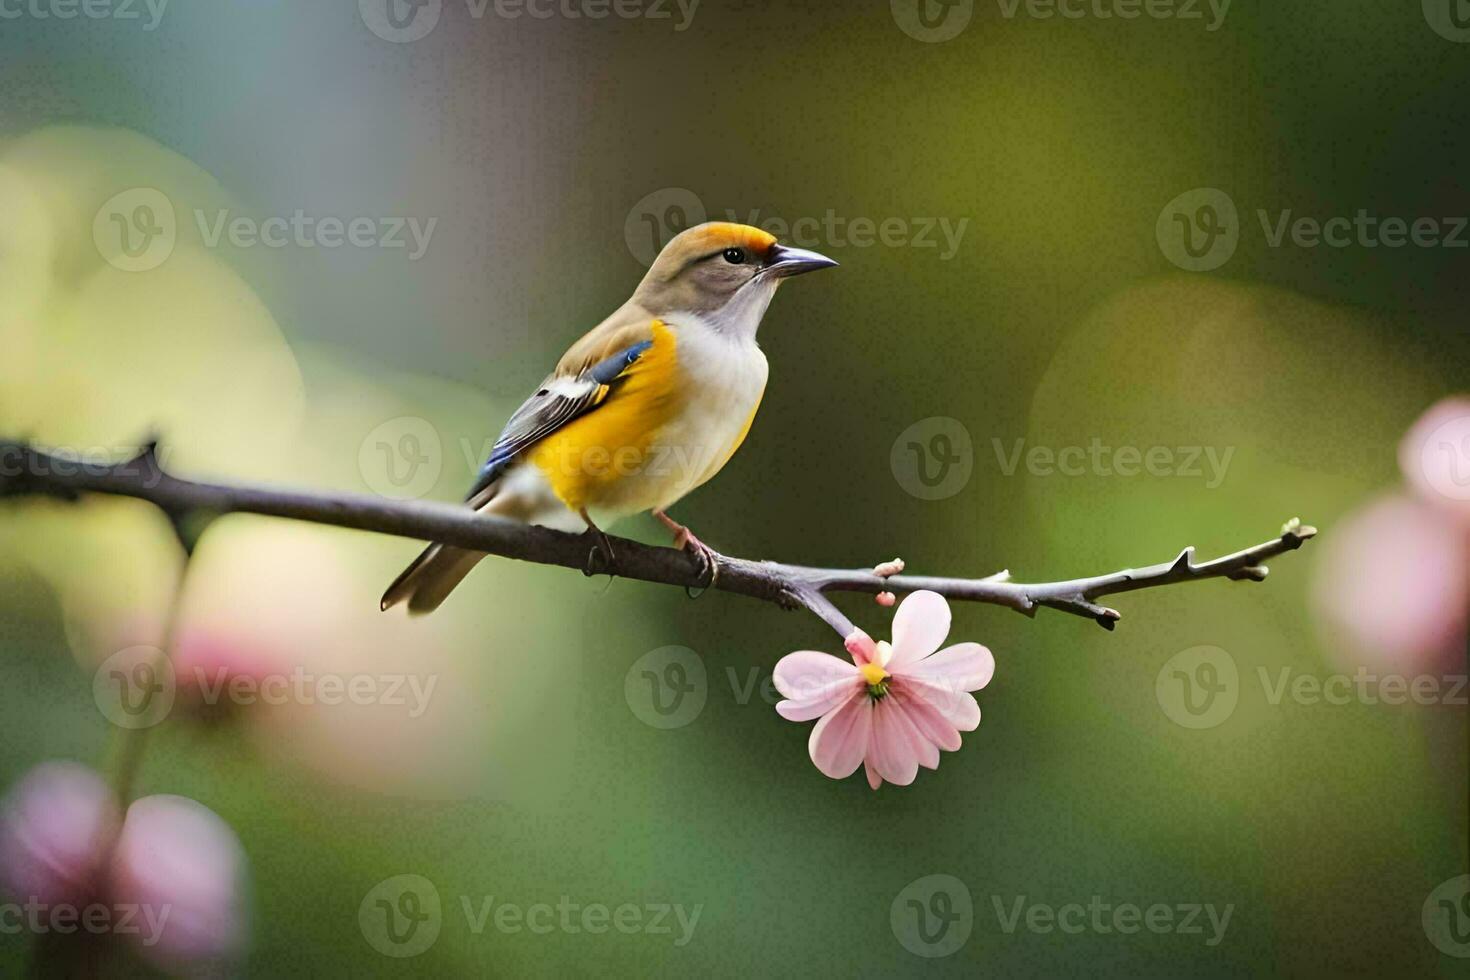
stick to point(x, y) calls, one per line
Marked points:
point(601, 552)
point(686, 540)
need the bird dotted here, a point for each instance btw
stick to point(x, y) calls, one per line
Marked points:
point(647, 406)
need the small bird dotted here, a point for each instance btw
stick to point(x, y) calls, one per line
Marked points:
point(648, 405)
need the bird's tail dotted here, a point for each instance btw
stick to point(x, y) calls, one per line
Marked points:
point(427, 582)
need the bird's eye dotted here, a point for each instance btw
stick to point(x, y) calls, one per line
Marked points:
point(735, 256)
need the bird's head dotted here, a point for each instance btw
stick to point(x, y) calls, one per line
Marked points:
point(724, 273)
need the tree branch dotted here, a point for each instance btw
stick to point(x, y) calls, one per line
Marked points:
point(28, 471)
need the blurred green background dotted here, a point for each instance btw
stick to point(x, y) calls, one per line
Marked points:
point(549, 154)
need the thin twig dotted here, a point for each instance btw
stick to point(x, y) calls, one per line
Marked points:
point(26, 470)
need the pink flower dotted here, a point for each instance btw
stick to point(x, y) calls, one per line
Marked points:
point(1393, 585)
point(896, 705)
point(55, 826)
point(1435, 457)
point(181, 861)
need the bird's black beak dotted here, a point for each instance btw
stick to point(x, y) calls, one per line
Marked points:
point(783, 261)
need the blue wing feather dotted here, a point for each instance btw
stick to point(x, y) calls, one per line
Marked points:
point(546, 411)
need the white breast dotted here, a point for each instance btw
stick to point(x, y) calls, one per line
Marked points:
point(727, 376)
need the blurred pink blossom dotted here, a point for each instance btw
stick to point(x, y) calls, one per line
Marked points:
point(896, 705)
point(1435, 456)
point(55, 825)
point(178, 855)
point(1393, 586)
point(174, 861)
point(207, 660)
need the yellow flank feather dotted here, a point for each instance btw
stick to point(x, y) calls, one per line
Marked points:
point(607, 457)
point(719, 463)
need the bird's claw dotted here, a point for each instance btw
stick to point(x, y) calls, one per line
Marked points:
point(601, 551)
point(709, 558)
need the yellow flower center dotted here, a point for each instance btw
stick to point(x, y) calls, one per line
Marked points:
point(873, 673)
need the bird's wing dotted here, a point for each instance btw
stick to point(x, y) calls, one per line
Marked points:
point(584, 377)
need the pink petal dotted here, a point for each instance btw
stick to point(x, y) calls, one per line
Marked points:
point(956, 706)
point(55, 829)
point(807, 710)
point(874, 780)
point(962, 667)
point(860, 646)
point(919, 626)
point(924, 750)
point(176, 854)
point(888, 747)
point(808, 677)
point(929, 721)
point(839, 740)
